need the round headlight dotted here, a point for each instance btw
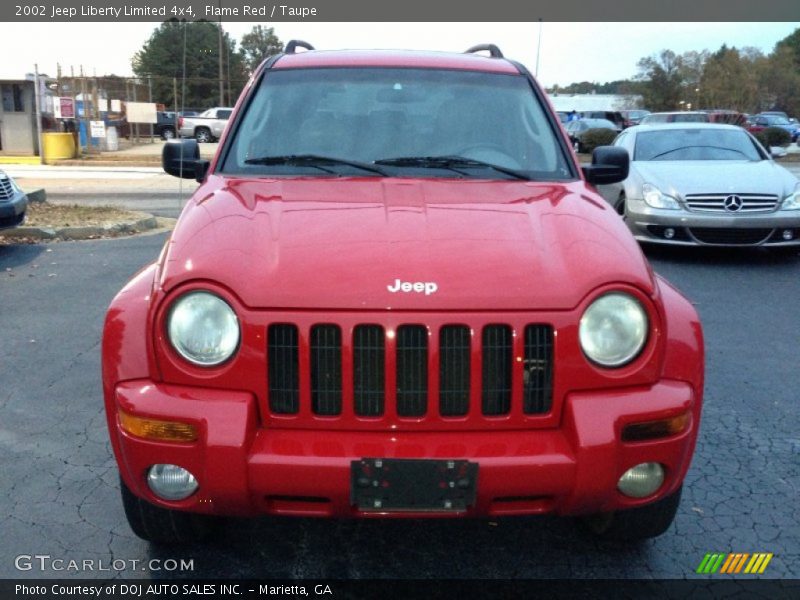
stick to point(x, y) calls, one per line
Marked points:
point(613, 329)
point(203, 328)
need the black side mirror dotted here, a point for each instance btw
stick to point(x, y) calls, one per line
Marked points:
point(610, 164)
point(181, 158)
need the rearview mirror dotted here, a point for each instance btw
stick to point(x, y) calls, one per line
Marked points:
point(181, 158)
point(610, 164)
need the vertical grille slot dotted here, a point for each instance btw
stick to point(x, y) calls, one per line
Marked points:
point(283, 369)
point(537, 375)
point(326, 370)
point(497, 350)
point(454, 372)
point(368, 370)
point(412, 370)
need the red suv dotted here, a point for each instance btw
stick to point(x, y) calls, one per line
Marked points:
point(397, 294)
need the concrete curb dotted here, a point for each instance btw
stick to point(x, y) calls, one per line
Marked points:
point(142, 222)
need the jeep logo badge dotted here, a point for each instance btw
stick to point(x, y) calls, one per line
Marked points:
point(429, 287)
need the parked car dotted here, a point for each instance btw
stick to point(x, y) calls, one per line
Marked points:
point(577, 129)
point(761, 121)
point(633, 117)
point(167, 123)
point(13, 203)
point(205, 127)
point(395, 293)
point(705, 184)
point(609, 115)
point(684, 116)
point(730, 117)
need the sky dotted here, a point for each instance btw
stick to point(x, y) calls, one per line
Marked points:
point(570, 52)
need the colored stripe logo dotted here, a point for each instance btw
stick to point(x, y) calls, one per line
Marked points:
point(734, 563)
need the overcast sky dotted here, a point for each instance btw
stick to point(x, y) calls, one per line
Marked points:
point(570, 52)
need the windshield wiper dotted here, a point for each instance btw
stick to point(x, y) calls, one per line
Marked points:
point(452, 163)
point(314, 160)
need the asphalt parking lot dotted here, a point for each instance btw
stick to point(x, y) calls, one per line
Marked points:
point(60, 497)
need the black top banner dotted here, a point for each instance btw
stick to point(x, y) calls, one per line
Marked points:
point(406, 10)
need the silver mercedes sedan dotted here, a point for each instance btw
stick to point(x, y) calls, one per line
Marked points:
point(704, 184)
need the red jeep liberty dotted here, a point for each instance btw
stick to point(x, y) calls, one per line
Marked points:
point(397, 294)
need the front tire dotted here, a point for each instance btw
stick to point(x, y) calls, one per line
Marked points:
point(203, 135)
point(168, 133)
point(620, 206)
point(162, 526)
point(635, 524)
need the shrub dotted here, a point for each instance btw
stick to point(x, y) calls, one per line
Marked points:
point(593, 138)
point(773, 136)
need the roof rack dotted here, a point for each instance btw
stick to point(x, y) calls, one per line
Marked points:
point(294, 44)
point(493, 50)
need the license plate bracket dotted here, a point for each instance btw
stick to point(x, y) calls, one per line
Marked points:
point(393, 484)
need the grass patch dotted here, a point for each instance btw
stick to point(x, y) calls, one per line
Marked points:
point(55, 216)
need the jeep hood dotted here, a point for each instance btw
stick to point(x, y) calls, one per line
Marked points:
point(342, 244)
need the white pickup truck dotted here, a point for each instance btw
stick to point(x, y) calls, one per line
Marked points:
point(205, 127)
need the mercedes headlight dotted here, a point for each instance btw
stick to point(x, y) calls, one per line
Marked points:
point(203, 328)
point(792, 202)
point(654, 198)
point(613, 329)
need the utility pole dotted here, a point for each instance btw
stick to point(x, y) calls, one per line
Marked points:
point(221, 83)
point(150, 100)
point(38, 99)
point(538, 49)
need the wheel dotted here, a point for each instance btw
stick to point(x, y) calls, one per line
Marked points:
point(620, 206)
point(638, 523)
point(168, 133)
point(578, 146)
point(163, 526)
point(203, 135)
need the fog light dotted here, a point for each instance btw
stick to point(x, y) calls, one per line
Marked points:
point(171, 482)
point(787, 234)
point(669, 233)
point(642, 480)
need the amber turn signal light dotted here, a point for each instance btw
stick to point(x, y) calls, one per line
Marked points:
point(154, 429)
point(649, 430)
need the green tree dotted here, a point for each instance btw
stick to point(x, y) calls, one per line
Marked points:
point(162, 58)
point(258, 44)
point(663, 84)
point(730, 79)
point(791, 44)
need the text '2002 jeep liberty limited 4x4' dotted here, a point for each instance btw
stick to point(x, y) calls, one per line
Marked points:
point(396, 293)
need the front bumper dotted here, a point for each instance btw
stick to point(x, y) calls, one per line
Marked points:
point(648, 224)
point(12, 211)
point(245, 469)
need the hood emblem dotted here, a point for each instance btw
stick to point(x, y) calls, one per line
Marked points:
point(419, 287)
point(732, 203)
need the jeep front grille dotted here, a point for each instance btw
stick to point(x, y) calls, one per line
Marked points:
point(371, 372)
point(454, 370)
point(326, 370)
point(282, 358)
point(368, 370)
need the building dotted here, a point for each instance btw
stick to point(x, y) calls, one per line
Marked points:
point(18, 114)
point(585, 102)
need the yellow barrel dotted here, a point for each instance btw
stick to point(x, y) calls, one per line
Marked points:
point(57, 146)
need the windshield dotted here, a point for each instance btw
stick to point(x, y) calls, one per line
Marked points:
point(695, 144)
point(364, 115)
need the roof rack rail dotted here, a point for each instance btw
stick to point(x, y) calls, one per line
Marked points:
point(493, 50)
point(294, 44)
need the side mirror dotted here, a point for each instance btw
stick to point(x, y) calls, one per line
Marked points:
point(181, 158)
point(610, 164)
